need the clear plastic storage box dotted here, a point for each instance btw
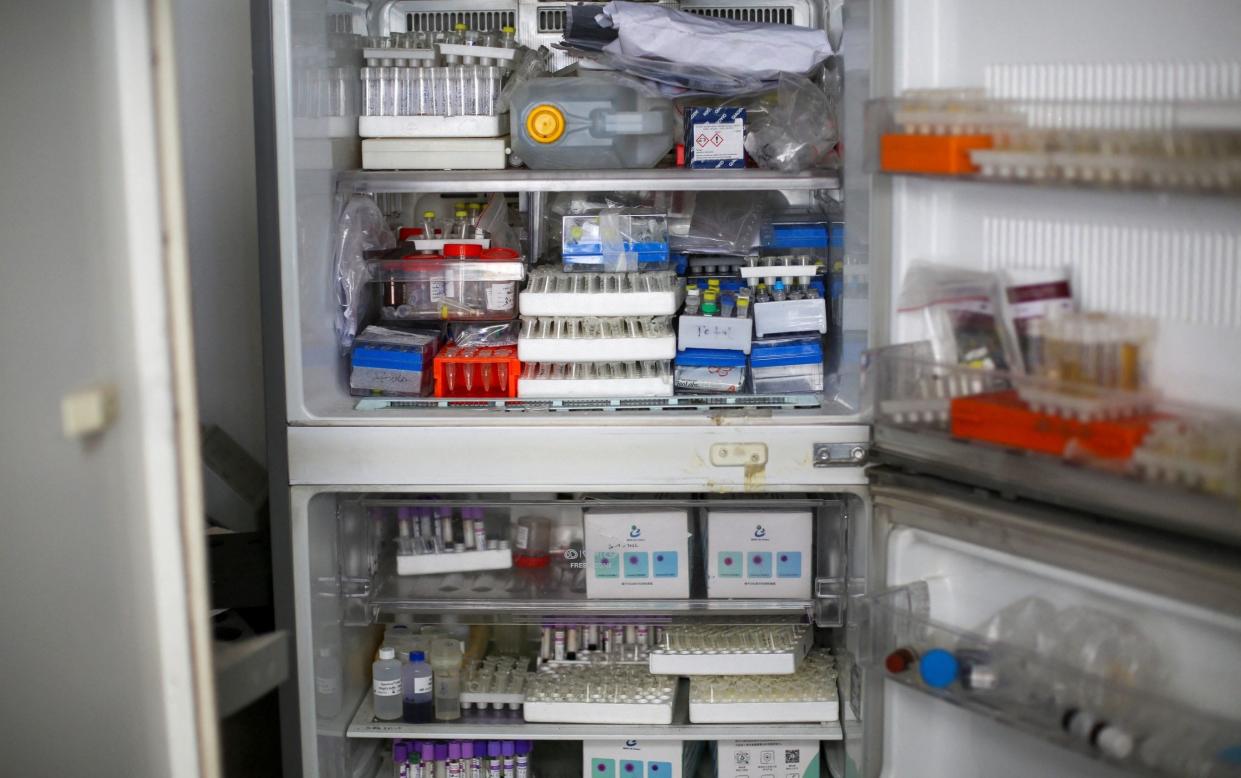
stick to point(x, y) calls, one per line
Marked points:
point(465, 281)
point(787, 366)
point(612, 241)
point(709, 370)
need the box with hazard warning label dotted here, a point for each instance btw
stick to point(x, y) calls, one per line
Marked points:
point(714, 137)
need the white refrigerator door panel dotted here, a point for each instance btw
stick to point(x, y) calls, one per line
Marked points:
point(977, 556)
point(926, 738)
point(106, 638)
point(1174, 258)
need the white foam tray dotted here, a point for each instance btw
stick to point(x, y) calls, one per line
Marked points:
point(547, 388)
point(790, 316)
point(595, 349)
point(404, 54)
point(433, 126)
point(598, 712)
point(478, 52)
point(781, 271)
point(601, 303)
point(731, 334)
point(493, 699)
point(785, 663)
point(763, 712)
point(438, 243)
point(435, 153)
point(455, 562)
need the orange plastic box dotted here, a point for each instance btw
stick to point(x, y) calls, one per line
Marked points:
point(933, 154)
point(477, 372)
point(1003, 418)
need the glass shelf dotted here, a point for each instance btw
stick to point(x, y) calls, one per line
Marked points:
point(520, 180)
point(512, 727)
point(518, 596)
point(1094, 715)
point(916, 401)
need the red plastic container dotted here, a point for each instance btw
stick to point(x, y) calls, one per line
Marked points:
point(1004, 419)
point(476, 372)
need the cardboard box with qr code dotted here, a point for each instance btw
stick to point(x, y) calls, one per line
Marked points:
point(767, 759)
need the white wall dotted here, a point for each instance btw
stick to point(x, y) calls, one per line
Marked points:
point(217, 140)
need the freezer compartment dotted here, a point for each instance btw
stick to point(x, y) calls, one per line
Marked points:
point(1038, 686)
point(1104, 448)
point(1114, 144)
point(592, 557)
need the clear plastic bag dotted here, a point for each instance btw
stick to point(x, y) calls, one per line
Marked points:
point(484, 335)
point(360, 228)
point(958, 311)
point(798, 131)
point(527, 64)
point(722, 222)
point(686, 53)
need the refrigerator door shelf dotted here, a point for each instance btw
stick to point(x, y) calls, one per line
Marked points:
point(1038, 708)
point(1132, 455)
point(1101, 717)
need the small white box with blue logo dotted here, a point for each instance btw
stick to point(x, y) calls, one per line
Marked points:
point(759, 553)
point(632, 758)
point(637, 554)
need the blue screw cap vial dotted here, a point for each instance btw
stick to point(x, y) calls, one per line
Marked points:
point(938, 668)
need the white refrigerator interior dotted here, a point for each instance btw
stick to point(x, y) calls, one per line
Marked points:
point(1174, 257)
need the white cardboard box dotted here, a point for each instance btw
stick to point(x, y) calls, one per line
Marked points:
point(433, 126)
point(435, 153)
point(637, 554)
point(759, 553)
point(632, 758)
point(767, 759)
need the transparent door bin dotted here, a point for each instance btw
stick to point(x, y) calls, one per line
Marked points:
point(556, 293)
point(589, 121)
point(600, 694)
point(1101, 716)
point(731, 650)
point(1116, 144)
point(787, 366)
point(614, 241)
point(809, 694)
point(710, 371)
point(1134, 433)
point(595, 339)
point(466, 283)
point(559, 380)
point(390, 362)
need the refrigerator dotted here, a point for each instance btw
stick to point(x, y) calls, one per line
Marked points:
point(917, 536)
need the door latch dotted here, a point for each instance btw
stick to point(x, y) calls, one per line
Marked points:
point(837, 454)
